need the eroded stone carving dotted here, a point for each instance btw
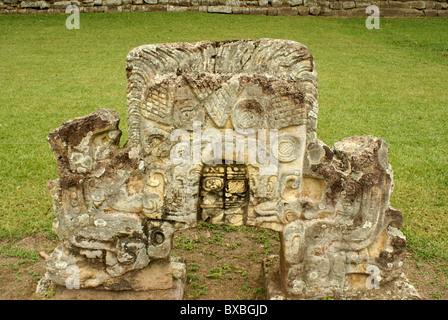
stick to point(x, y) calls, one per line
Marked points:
point(223, 132)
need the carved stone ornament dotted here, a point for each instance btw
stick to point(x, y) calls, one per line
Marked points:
point(224, 132)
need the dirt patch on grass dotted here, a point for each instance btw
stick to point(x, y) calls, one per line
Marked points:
point(21, 266)
point(225, 263)
point(430, 278)
point(222, 263)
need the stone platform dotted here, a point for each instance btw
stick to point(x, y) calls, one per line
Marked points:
point(170, 289)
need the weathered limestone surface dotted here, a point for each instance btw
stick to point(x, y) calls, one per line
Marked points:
point(118, 208)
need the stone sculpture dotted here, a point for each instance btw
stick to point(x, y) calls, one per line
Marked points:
point(223, 132)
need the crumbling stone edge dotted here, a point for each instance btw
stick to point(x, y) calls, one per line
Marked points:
point(397, 289)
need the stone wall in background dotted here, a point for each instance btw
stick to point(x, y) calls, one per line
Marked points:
point(330, 8)
point(223, 132)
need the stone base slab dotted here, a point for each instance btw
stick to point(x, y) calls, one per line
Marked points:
point(400, 289)
point(175, 293)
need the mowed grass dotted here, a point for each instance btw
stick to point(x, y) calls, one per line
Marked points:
point(390, 83)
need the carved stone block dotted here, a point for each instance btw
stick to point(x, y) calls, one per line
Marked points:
point(223, 132)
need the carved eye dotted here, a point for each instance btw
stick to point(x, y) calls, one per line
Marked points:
point(288, 148)
point(290, 215)
point(157, 237)
point(155, 140)
point(248, 114)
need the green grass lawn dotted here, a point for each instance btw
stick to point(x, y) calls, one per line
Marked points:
point(390, 83)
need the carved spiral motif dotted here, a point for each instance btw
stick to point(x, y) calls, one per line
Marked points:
point(247, 115)
point(288, 148)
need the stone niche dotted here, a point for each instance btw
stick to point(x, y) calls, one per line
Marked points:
point(195, 112)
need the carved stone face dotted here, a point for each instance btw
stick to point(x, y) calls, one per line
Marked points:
point(104, 144)
point(156, 143)
point(121, 207)
point(253, 108)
